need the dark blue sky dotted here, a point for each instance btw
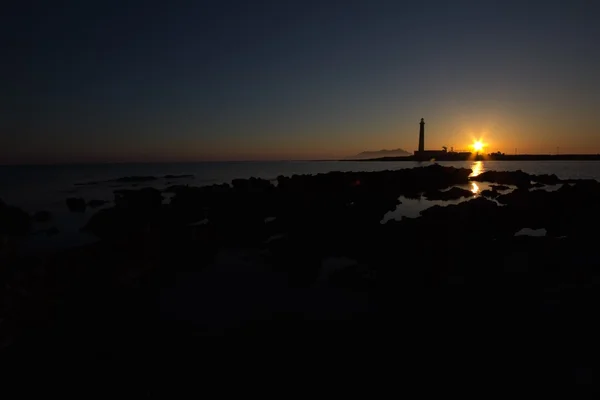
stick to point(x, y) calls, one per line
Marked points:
point(201, 80)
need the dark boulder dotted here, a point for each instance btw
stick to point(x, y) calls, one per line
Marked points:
point(87, 183)
point(178, 176)
point(546, 179)
point(519, 198)
point(491, 194)
point(499, 188)
point(135, 179)
point(478, 218)
point(141, 199)
point(42, 216)
point(14, 221)
point(454, 193)
point(76, 204)
point(175, 188)
point(252, 184)
point(517, 178)
point(97, 203)
point(52, 231)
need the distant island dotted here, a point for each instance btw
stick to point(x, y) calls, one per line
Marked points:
point(379, 154)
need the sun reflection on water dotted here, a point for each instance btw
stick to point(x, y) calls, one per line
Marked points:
point(474, 187)
point(477, 168)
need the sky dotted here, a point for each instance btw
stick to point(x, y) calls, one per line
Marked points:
point(118, 81)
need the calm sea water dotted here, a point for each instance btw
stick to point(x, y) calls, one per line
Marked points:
point(35, 188)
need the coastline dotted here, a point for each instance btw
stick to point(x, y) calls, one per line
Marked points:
point(493, 157)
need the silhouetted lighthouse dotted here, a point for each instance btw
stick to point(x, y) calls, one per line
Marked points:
point(422, 136)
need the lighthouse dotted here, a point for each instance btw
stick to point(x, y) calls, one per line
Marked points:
point(426, 155)
point(422, 136)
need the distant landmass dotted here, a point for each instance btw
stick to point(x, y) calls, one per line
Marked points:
point(380, 154)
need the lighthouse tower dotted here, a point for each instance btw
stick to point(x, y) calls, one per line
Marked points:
point(422, 136)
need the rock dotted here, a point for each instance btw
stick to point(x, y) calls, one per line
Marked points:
point(499, 187)
point(88, 183)
point(52, 231)
point(175, 188)
point(454, 193)
point(537, 185)
point(14, 221)
point(178, 176)
point(491, 194)
point(456, 225)
point(97, 203)
point(517, 197)
point(141, 199)
point(76, 204)
point(106, 223)
point(252, 184)
point(42, 216)
point(135, 179)
point(517, 178)
point(546, 179)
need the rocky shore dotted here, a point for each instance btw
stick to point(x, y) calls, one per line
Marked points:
point(307, 260)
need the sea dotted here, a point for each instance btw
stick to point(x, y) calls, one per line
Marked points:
point(46, 187)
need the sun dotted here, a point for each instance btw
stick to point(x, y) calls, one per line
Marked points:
point(478, 145)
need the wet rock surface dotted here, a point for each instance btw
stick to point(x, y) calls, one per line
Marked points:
point(135, 179)
point(96, 203)
point(178, 176)
point(13, 220)
point(76, 204)
point(452, 194)
point(500, 188)
point(491, 194)
point(324, 271)
point(42, 216)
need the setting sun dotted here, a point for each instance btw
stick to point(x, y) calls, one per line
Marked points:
point(478, 145)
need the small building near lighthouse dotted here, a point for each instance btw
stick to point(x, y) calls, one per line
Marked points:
point(423, 154)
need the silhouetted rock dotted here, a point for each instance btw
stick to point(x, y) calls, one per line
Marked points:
point(52, 231)
point(517, 178)
point(107, 223)
point(97, 203)
point(537, 185)
point(135, 179)
point(254, 184)
point(517, 197)
point(76, 204)
point(546, 179)
point(146, 198)
point(42, 216)
point(454, 193)
point(178, 176)
point(492, 194)
point(499, 187)
point(87, 183)
point(14, 221)
point(175, 188)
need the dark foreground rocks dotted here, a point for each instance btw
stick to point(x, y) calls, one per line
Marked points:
point(13, 220)
point(454, 193)
point(452, 293)
point(518, 178)
point(75, 204)
point(179, 176)
point(96, 203)
point(42, 216)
